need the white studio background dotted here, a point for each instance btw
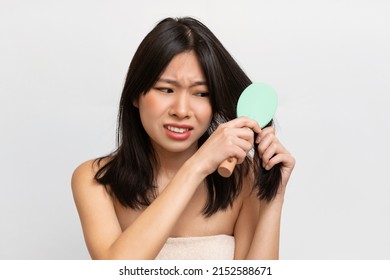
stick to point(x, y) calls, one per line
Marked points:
point(63, 65)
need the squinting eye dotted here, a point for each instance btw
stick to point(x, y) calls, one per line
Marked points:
point(166, 90)
point(203, 94)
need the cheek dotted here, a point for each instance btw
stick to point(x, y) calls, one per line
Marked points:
point(205, 114)
point(148, 107)
point(148, 102)
point(209, 115)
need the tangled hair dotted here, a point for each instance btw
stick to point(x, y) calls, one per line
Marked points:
point(129, 174)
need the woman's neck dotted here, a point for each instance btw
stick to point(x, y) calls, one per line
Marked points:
point(170, 162)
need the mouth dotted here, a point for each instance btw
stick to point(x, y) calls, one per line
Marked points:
point(177, 129)
point(178, 132)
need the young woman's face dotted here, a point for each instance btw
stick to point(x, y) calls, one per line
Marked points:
point(177, 111)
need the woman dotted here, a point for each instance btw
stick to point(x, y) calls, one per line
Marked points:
point(159, 195)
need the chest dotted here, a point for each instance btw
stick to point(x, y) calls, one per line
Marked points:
point(192, 221)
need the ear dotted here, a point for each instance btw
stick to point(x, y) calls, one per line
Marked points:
point(135, 103)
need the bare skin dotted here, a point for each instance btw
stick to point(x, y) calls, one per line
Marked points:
point(180, 100)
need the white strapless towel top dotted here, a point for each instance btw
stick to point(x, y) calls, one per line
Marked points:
point(215, 247)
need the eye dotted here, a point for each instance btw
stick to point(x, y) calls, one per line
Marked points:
point(202, 94)
point(166, 90)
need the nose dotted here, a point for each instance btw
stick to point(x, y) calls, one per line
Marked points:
point(181, 107)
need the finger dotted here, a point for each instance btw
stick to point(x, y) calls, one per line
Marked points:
point(242, 133)
point(243, 144)
point(247, 122)
point(270, 152)
point(238, 153)
point(238, 148)
point(246, 134)
point(286, 159)
point(264, 132)
point(265, 142)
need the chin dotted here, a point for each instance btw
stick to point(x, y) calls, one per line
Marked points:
point(180, 147)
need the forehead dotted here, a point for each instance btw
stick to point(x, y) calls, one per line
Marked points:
point(184, 66)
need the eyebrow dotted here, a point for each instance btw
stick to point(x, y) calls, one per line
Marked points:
point(175, 83)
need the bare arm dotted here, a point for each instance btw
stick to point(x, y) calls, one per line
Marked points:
point(265, 244)
point(261, 219)
point(144, 238)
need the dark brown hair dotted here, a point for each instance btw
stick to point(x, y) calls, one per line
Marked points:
point(129, 174)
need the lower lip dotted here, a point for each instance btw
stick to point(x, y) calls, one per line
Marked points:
point(178, 136)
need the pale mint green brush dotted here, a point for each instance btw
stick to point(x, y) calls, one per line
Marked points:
point(258, 102)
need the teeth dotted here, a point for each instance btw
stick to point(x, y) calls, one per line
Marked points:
point(177, 129)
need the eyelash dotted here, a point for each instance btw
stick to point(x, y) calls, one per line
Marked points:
point(203, 94)
point(166, 90)
point(169, 90)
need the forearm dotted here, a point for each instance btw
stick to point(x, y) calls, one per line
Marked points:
point(265, 243)
point(145, 237)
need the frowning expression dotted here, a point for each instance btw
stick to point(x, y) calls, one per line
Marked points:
point(177, 110)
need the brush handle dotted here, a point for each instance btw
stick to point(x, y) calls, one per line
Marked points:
point(225, 169)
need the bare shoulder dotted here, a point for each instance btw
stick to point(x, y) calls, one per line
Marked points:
point(86, 171)
point(83, 175)
point(95, 207)
point(83, 180)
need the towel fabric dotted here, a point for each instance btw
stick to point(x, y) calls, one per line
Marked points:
point(215, 247)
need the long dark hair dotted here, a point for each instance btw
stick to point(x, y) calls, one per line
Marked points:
point(129, 175)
